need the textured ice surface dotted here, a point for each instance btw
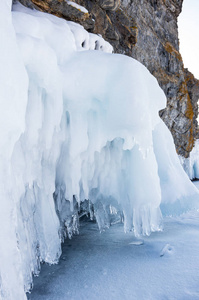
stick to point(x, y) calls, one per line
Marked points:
point(115, 266)
point(191, 164)
point(76, 124)
point(13, 99)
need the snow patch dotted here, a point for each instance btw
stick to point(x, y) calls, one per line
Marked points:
point(79, 7)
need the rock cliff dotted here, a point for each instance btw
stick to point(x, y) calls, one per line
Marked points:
point(157, 48)
point(147, 30)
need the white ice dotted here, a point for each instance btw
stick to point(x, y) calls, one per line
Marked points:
point(191, 164)
point(76, 124)
point(81, 8)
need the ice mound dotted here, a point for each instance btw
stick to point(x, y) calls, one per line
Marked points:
point(76, 124)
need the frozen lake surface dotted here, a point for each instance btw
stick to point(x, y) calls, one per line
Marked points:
point(114, 265)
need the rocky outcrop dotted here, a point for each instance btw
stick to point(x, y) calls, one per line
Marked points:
point(157, 48)
point(146, 30)
point(62, 9)
point(193, 91)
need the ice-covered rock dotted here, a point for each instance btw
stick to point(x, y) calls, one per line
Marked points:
point(76, 124)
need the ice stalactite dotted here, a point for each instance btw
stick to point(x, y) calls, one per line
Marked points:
point(76, 124)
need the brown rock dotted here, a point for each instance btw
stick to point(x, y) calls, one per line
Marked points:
point(109, 4)
point(62, 9)
point(115, 25)
point(157, 48)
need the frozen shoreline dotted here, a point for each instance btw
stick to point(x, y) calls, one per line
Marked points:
point(112, 265)
point(79, 124)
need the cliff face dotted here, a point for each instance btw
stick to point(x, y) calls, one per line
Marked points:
point(157, 48)
point(146, 30)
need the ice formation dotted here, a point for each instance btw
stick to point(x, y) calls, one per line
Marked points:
point(191, 164)
point(76, 124)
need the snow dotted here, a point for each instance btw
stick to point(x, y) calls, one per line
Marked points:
point(76, 124)
point(81, 8)
point(88, 41)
